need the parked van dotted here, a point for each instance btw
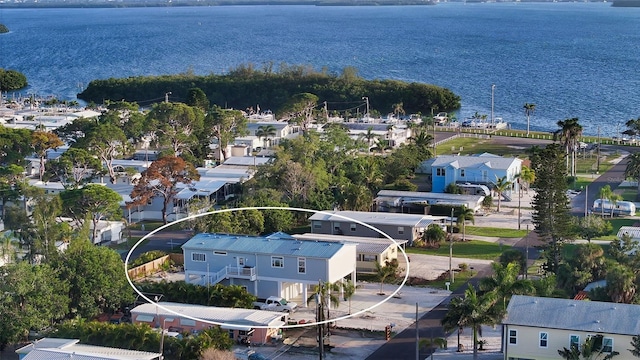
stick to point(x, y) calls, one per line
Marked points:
point(474, 189)
point(621, 208)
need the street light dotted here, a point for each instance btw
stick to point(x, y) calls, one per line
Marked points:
point(166, 96)
point(366, 99)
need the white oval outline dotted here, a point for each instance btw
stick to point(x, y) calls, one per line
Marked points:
point(286, 326)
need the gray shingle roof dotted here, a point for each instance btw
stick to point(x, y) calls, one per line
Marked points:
point(579, 315)
point(376, 218)
point(262, 245)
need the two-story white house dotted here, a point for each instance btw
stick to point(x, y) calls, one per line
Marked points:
point(536, 328)
point(275, 265)
point(476, 169)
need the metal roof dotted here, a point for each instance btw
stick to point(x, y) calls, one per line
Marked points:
point(377, 218)
point(236, 316)
point(579, 315)
point(262, 245)
point(52, 348)
point(364, 244)
point(467, 162)
point(633, 231)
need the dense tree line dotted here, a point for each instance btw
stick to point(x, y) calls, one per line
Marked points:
point(215, 295)
point(11, 79)
point(246, 86)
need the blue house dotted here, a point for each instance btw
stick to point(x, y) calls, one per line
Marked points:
point(275, 265)
point(482, 169)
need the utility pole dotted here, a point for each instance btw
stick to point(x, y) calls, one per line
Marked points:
point(493, 88)
point(526, 253)
point(598, 157)
point(166, 96)
point(319, 316)
point(417, 336)
point(366, 99)
point(451, 248)
point(519, 199)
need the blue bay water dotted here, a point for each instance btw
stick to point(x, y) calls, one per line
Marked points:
point(570, 59)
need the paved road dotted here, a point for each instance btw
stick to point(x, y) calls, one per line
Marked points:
point(402, 346)
point(164, 240)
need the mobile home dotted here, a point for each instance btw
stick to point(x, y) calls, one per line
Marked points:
point(620, 208)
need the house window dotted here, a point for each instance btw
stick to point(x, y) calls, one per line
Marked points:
point(302, 265)
point(277, 261)
point(400, 230)
point(513, 337)
point(231, 332)
point(574, 340)
point(223, 253)
point(369, 258)
point(240, 261)
point(353, 227)
point(607, 345)
point(440, 172)
point(544, 338)
point(317, 224)
point(462, 173)
point(187, 322)
point(198, 257)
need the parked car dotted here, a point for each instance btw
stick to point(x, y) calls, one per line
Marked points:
point(275, 303)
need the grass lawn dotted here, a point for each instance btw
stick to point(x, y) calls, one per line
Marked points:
point(475, 146)
point(148, 225)
point(459, 278)
point(494, 232)
point(616, 224)
point(474, 249)
point(629, 194)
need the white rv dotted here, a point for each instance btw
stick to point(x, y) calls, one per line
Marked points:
point(620, 208)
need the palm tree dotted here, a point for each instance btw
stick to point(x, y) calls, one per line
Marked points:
point(501, 186)
point(370, 138)
point(348, 289)
point(614, 198)
point(633, 168)
point(569, 133)
point(465, 214)
point(324, 295)
point(604, 194)
point(621, 286)
point(266, 132)
point(398, 109)
point(528, 176)
point(472, 311)
point(528, 111)
point(504, 282)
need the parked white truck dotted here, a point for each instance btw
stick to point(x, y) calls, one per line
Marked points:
point(275, 303)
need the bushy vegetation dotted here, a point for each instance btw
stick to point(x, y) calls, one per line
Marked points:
point(147, 257)
point(214, 295)
point(247, 85)
point(11, 79)
point(142, 337)
point(3, 29)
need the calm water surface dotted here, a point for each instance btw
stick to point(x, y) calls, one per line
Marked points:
point(570, 59)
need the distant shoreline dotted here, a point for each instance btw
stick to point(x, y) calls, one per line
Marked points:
point(189, 3)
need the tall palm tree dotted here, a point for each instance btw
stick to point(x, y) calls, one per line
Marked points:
point(614, 198)
point(465, 214)
point(604, 194)
point(633, 168)
point(370, 138)
point(266, 132)
point(348, 289)
point(471, 311)
point(528, 111)
point(501, 186)
point(569, 133)
point(528, 176)
point(504, 283)
point(398, 109)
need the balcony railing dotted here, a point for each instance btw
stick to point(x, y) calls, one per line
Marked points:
point(242, 272)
